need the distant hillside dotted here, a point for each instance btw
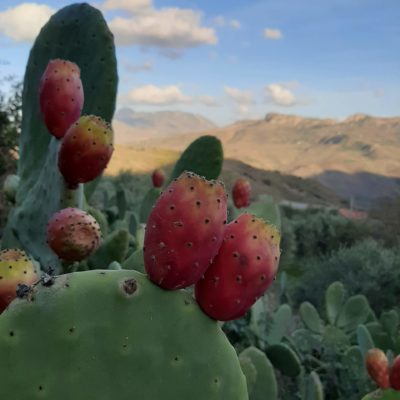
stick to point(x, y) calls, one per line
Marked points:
point(357, 157)
point(279, 186)
point(131, 126)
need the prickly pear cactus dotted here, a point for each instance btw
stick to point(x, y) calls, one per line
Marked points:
point(388, 394)
point(78, 33)
point(113, 334)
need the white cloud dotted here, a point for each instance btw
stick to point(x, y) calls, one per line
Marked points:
point(273, 34)
point(158, 95)
point(22, 23)
point(242, 99)
point(222, 21)
point(131, 6)
point(239, 96)
point(209, 101)
point(235, 24)
point(146, 66)
point(280, 94)
point(174, 28)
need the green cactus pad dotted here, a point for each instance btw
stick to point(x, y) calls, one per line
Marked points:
point(264, 208)
point(354, 312)
point(388, 394)
point(114, 248)
point(364, 339)
point(390, 322)
point(280, 324)
point(148, 202)
point(114, 335)
point(250, 373)
point(204, 157)
point(311, 318)
point(284, 359)
point(334, 299)
point(80, 34)
point(265, 386)
point(314, 388)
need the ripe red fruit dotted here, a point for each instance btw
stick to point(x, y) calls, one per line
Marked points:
point(242, 271)
point(378, 367)
point(61, 96)
point(73, 234)
point(85, 150)
point(158, 178)
point(241, 193)
point(15, 268)
point(395, 374)
point(184, 231)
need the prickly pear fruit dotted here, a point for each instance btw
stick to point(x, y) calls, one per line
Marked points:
point(241, 192)
point(244, 268)
point(61, 96)
point(378, 367)
point(15, 268)
point(73, 234)
point(85, 150)
point(158, 178)
point(395, 374)
point(184, 231)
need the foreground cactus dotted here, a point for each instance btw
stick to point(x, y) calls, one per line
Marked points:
point(241, 193)
point(61, 96)
point(244, 268)
point(85, 150)
point(378, 367)
point(113, 334)
point(77, 33)
point(184, 231)
point(73, 234)
point(15, 268)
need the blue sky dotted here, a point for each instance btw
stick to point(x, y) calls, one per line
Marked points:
point(230, 60)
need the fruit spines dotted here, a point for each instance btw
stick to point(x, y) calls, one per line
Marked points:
point(184, 231)
point(244, 268)
point(241, 193)
point(377, 366)
point(73, 234)
point(61, 96)
point(158, 178)
point(85, 151)
point(15, 268)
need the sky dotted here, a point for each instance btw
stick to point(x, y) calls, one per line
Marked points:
point(238, 59)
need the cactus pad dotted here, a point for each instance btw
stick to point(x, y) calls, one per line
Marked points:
point(113, 334)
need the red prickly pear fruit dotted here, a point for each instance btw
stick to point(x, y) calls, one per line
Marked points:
point(60, 96)
point(73, 234)
point(15, 268)
point(395, 374)
point(378, 367)
point(184, 231)
point(241, 193)
point(85, 150)
point(244, 268)
point(158, 178)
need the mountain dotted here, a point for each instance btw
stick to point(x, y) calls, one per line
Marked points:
point(358, 158)
point(142, 161)
point(131, 126)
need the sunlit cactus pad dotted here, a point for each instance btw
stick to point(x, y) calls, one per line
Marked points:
point(114, 335)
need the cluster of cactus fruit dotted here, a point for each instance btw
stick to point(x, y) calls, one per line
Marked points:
point(90, 322)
